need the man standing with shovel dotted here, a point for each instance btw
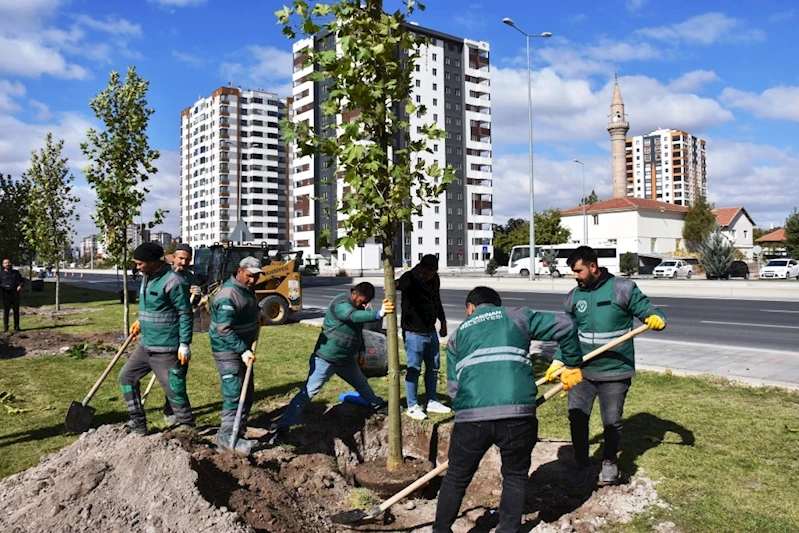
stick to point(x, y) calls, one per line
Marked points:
point(235, 319)
point(602, 306)
point(165, 326)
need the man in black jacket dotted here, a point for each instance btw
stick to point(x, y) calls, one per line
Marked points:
point(10, 285)
point(421, 306)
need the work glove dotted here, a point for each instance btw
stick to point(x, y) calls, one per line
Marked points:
point(184, 353)
point(261, 319)
point(655, 322)
point(196, 290)
point(248, 357)
point(135, 329)
point(554, 367)
point(386, 308)
point(570, 377)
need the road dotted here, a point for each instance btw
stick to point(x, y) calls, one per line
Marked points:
point(745, 323)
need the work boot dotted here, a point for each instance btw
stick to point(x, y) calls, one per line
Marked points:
point(609, 474)
point(281, 432)
point(581, 477)
point(170, 420)
point(381, 409)
point(135, 428)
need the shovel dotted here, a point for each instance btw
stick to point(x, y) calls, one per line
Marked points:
point(244, 446)
point(79, 415)
point(148, 389)
point(356, 515)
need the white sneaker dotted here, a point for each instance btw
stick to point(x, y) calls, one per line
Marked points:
point(416, 412)
point(434, 406)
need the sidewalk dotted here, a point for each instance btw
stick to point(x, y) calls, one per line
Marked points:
point(751, 366)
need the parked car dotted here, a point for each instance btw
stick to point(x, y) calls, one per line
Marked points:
point(780, 268)
point(672, 269)
point(738, 269)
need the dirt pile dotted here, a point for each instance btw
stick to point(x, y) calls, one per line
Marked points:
point(111, 481)
point(50, 341)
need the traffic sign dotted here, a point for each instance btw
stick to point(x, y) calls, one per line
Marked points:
point(757, 249)
point(485, 249)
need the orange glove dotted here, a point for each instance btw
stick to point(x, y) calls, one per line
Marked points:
point(135, 329)
point(386, 308)
point(570, 377)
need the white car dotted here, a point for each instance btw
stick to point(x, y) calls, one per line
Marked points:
point(673, 269)
point(780, 268)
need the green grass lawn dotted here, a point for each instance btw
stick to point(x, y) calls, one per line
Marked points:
point(725, 456)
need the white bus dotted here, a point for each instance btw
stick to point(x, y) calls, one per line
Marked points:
point(519, 262)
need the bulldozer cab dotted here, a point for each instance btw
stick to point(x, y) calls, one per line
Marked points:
point(279, 288)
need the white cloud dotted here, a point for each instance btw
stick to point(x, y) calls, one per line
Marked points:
point(31, 58)
point(707, 28)
point(110, 25)
point(781, 103)
point(567, 109)
point(782, 16)
point(693, 81)
point(17, 15)
point(178, 3)
point(8, 91)
point(268, 67)
point(42, 110)
point(189, 59)
point(634, 5)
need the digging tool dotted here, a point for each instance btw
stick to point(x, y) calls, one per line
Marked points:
point(357, 515)
point(148, 389)
point(79, 415)
point(244, 446)
point(608, 346)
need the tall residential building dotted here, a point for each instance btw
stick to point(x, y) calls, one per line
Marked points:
point(137, 234)
point(88, 245)
point(618, 128)
point(233, 167)
point(667, 166)
point(452, 79)
point(161, 237)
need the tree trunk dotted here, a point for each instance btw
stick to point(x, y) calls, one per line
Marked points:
point(58, 286)
point(394, 459)
point(126, 311)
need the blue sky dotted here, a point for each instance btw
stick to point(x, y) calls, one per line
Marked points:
point(724, 71)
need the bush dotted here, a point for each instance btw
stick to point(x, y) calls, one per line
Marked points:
point(491, 267)
point(342, 273)
point(716, 254)
point(627, 264)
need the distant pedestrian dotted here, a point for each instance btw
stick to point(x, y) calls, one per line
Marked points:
point(11, 282)
point(421, 306)
point(165, 324)
point(602, 306)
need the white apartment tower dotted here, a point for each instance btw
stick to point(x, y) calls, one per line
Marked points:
point(666, 165)
point(452, 79)
point(233, 167)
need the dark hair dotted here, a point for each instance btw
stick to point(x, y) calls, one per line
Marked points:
point(483, 295)
point(586, 254)
point(430, 262)
point(365, 289)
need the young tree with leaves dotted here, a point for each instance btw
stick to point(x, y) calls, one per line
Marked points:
point(699, 223)
point(792, 234)
point(370, 76)
point(548, 229)
point(13, 212)
point(590, 199)
point(627, 264)
point(51, 208)
point(716, 254)
point(120, 163)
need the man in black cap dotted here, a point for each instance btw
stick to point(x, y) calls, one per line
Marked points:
point(165, 324)
point(10, 285)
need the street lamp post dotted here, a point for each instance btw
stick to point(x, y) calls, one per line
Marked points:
point(527, 36)
point(585, 220)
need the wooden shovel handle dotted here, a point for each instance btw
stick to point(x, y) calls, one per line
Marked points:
point(410, 488)
point(148, 389)
point(601, 349)
point(107, 370)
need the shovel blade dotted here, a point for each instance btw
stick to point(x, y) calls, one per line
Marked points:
point(349, 517)
point(79, 417)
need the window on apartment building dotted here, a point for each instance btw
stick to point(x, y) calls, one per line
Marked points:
point(435, 210)
point(416, 68)
point(437, 240)
point(435, 148)
point(447, 90)
point(418, 83)
point(436, 225)
point(418, 113)
point(460, 241)
point(447, 105)
point(419, 224)
point(449, 212)
point(421, 241)
point(447, 76)
point(596, 220)
point(435, 57)
point(457, 92)
point(446, 61)
point(457, 62)
point(418, 99)
point(435, 101)
point(435, 72)
point(457, 107)
point(460, 226)
point(448, 120)
point(449, 149)
point(435, 86)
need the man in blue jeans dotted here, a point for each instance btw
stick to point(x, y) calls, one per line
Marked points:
point(421, 306)
point(491, 383)
point(335, 354)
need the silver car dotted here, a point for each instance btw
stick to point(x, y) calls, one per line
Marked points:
point(673, 269)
